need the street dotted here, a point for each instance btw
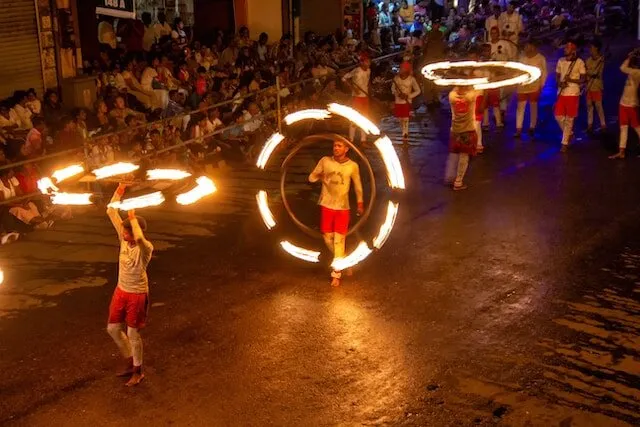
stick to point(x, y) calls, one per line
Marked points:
point(514, 302)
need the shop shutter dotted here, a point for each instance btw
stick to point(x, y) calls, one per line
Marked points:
point(20, 66)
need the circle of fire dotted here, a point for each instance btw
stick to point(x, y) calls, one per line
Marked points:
point(395, 178)
point(529, 74)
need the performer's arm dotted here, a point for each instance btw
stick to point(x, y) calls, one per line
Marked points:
point(145, 246)
point(348, 76)
point(357, 186)
point(113, 213)
point(415, 88)
point(625, 68)
point(543, 71)
point(317, 173)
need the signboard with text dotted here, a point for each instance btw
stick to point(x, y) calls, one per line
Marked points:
point(117, 8)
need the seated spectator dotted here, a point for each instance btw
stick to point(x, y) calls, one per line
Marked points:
point(262, 48)
point(20, 216)
point(33, 103)
point(21, 109)
point(34, 144)
point(120, 112)
point(9, 120)
point(133, 86)
point(81, 123)
point(407, 13)
point(174, 107)
point(68, 137)
point(251, 119)
point(102, 152)
point(178, 34)
point(52, 109)
point(100, 121)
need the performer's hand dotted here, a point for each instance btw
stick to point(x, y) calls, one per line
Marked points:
point(360, 208)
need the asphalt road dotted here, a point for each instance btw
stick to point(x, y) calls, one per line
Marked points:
point(513, 303)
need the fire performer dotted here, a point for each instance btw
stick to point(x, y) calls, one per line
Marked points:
point(463, 141)
point(405, 88)
point(628, 110)
point(359, 78)
point(570, 74)
point(336, 174)
point(131, 297)
point(531, 92)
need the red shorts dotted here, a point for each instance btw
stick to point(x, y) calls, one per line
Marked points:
point(464, 142)
point(628, 116)
point(334, 221)
point(493, 98)
point(402, 111)
point(567, 106)
point(128, 308)
point(594, 95)
point(531, 97)
point(479, 108)
point(361, 104)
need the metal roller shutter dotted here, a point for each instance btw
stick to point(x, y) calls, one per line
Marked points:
point(20, 66)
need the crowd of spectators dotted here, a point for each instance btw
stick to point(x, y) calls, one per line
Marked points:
point(158, 87)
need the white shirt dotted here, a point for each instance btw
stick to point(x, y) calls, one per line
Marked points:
point(630, 92)
point(132, 267)
point(336, 182)
point(502, 50)
point(13, 120)
point(146, 80)
point(579, 69)
point(408, 86)
point(360, 80)
point(24, 115)
point(511, 23)
point(540, 62)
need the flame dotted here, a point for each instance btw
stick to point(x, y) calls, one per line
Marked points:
point(204, 188)
point(265, 212)
point(529, 74)
point(152, 199)
point(268, 148)
point(387, 225)
point(305, 115)
point(300, 253)
point(355, 257)
point(391, 161)
point(46, 186)
point(172, 174)
point(355, 117)
point(1, 277)
point(65, 173)
point(119, 168)
point(77, 199)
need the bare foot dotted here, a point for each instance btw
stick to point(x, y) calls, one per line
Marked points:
point(135, 379)
point(126, 369)
point(335, 282)
point(619, 155)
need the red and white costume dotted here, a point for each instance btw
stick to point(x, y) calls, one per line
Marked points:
point(336, 180)
point(566, 109)
point(463, 140)
point(595, 86)
point(405, 89)
point(628, 109)
point(531, 92)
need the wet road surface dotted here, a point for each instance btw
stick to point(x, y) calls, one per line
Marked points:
point(513, 303)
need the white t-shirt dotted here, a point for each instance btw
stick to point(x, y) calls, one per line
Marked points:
point(132, 267)
point(336, 182)
point(630, 92)
point(360, 79)
point(540, 62)
point(408, 86)
point(502, 50)
point(147, 78)
point(491, 22)
point(579, 69)
point(511, 23)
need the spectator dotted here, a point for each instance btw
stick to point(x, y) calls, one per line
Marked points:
point(511, 23)
point(100, 121)
point(120, 112)
point(149, 37)
point(384, 17)
point(33, 103)
point(23, 216)
point(230, 54)
point(68, 137)
point(34, 143)
point(406, 13)
point(245, 39)
point(178, 34)
point(262, 49)
point(52, 109)
point(21, 109)
point(493, 20)
point(162, 28)
point(150, 83)
point(174, 108)
point(9, 119)
point(106, 34)
point(131, 33)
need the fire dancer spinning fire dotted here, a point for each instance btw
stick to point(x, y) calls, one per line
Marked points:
point(336, 174)
point(131, 297)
